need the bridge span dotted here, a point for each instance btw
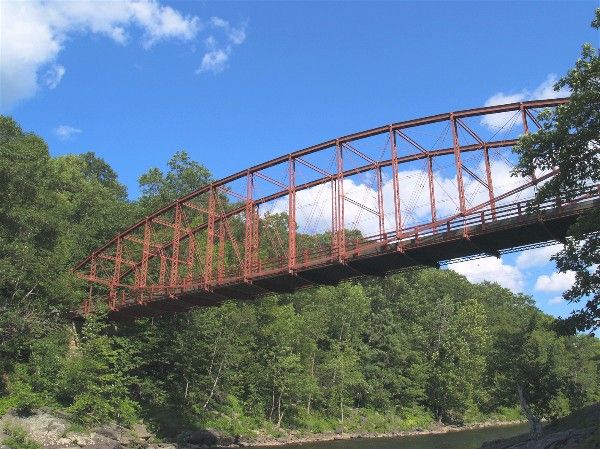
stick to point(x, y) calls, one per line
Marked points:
point(410, 194)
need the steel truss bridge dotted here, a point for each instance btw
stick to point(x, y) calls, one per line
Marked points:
point(415, 193)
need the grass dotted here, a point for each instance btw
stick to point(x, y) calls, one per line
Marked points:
point(18, 438)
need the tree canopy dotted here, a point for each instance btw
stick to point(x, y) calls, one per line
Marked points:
point(570, 140)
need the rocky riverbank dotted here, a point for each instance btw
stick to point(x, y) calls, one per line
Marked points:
point(293, 438)
point(569, 439)
point(580, 430)
point(51, 431)
point(54, 432)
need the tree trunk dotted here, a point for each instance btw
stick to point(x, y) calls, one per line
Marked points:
point(312, 374)
point(342, 409)
point(279, 413)
point(535, 426)
point(214, 386)
point(272, 404)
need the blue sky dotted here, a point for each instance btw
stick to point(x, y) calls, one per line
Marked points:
point(238, 83)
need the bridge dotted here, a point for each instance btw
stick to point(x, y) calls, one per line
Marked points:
point(416, 193)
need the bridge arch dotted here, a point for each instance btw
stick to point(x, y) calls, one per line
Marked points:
point(417, 192)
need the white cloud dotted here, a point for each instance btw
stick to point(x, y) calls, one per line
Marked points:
point(537, 257)
point(235, 35)
point(314, 204)
point(556, 282)
point(506, 120)
point(493, 270)
point(65, 132)
point(556, 300)
point(216, 56)
point(215, 59)
point(34, 32)
point(54, 75)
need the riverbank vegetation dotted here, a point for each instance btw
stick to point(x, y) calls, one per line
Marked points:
point(373, 355)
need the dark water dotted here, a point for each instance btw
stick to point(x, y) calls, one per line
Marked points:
point(468, 439)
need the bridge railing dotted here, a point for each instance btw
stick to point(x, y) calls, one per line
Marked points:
point(458, 227)
point(525, 209)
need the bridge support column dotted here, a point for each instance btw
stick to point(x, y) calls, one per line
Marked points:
point(249, 236)
point(459, 167)
point(490, 185)
point(221, 269)
point(174, 277)
point(143, 276)
point(210, 238)
point(116, 274)
point(380, 207)
point(395, 186)
point(431, 190)
point(340, 234)
point(292, 215)
point(191, 255)
point(524, 114)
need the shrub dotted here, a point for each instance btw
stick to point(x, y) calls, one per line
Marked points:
point(19, 439)
point(21, 396)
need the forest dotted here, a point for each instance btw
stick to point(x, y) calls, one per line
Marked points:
point(375, 354)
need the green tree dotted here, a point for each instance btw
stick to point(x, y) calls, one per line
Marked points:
point(569, 139)
point(459, 362)
point(33, 280)
point(184, 176)
point(280, 348)
point(393, 362)
point(96, 382)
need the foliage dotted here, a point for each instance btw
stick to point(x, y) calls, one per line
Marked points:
point(18, 438)
point(376, 355)
point(184, 176)
point(458, 362)
point(53, 212)
point(96, 380)
point(569, 140)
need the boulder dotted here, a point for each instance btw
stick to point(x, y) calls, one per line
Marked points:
point(141, 431)
point(208, 438)
point(42, 427)
point(570, 439)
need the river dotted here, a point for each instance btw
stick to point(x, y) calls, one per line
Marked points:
point(468, 439)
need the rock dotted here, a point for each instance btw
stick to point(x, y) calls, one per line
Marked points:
point(42, 427)
point(166, 446)
point(108, 444)
point(208, 438)
point(110, 431)
point(570, 439)
point(141, 431)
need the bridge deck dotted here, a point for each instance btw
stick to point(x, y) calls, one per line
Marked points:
point(481, 233)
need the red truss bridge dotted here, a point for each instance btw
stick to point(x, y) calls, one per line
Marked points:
point(415, 193)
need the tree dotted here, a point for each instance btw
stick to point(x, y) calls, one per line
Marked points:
point(31, 281)
point(569, 139)
point(184, 176)
point(394, 364)
point(459, 362)
point(96, 381)
point(280, 346)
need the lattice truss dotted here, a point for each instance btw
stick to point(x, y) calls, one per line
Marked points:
point(325, 203)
